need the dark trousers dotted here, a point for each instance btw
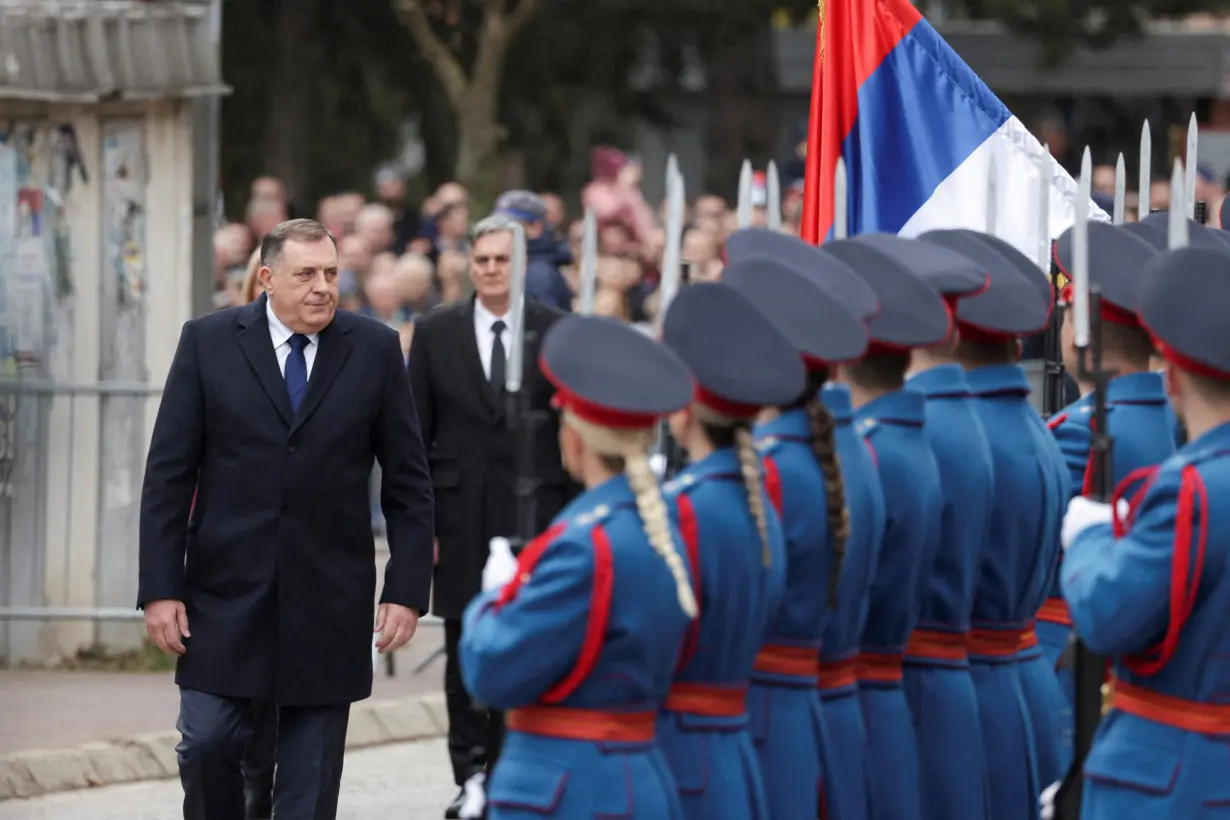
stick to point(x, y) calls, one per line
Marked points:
point(258, 758)
point(311, 742)
point(474, 734)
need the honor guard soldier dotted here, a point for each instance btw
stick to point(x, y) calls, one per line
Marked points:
point(579, 636)
point(1139, 417)
point(734, 544)
point(1018, 561)
point(912, 314)
point(1149, 587)
point(804, 480)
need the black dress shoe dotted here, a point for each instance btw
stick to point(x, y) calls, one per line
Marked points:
point(453, 812)
point(258, 804)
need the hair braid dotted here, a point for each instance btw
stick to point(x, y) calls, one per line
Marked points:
point(753, 481)
point(824, 447)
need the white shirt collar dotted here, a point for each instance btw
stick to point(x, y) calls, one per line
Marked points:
point(486, 318)
point(279, 332)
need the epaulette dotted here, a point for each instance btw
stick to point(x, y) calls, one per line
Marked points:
point(767, 444)
point(680, 484)
point(598, 515)
point(866, 427)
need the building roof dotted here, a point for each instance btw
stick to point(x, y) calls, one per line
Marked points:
point(94, 50)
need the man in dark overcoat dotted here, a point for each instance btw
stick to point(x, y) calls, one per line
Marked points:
point(458, 363)
point(274, 412)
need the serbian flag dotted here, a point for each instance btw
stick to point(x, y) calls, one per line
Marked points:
point(918, 130)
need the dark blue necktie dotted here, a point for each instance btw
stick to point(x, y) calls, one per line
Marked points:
point(296, 371)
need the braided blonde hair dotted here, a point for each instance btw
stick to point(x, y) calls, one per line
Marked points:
point(749, 466)
point(632, 446)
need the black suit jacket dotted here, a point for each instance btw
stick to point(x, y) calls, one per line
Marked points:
point(471, 448)
point(277, 566)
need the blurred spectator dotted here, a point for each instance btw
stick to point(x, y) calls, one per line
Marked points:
point(703, 250)
point(614, 195)
point(252, 287)
point(1159, 195)
point(615, 237)
point(557, 215)
point(434, 207)
point(349, 204)
point(354, 258)
point(391, 191)
point(413, 274)
point(375, 224)
point(612, 303)
point(262, 215)
point(452, 228)
point(271, 189)
point(710, 206)
point(383, 299)
point(1104, 180)
point(451, 276)
point(544, 254)
point(330, 212)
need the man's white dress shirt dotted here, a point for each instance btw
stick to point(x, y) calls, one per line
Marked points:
point(280, 335)
point(483, 320)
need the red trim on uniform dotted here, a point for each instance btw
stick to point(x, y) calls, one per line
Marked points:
point(595, 413)
point(1055, 421)
point(1110, 312)
point(599, 617)
point(837, 674)
point(526, 562)
point(597, 726)
point(877, 348)
point(794, 661)
point(1180, 713)
point(690, 532)
point(1001, 643)
point(875, 459)
point(773, 483)
point(1149, 475)
point(192, 508)
point(1189, 364)
point(708, 699)
point(1055, 611)
point(1090, 466)
point(725, 407)
point(878, 668)
point(1185, 574)
point(933, 645)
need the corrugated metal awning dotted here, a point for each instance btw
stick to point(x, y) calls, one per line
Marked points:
point(93, 50)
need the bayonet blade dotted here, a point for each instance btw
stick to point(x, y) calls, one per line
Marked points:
point(841, 204)
point(744, 211)
point(1044, 210)
point(1080, 254)
point(1120, 215)
point(1189, 191)
point(516, 301)
point(672, 255)
point(773, 195)
point(1146, 171)
point(588, 287)
point(1177, 224)
point(992, 195)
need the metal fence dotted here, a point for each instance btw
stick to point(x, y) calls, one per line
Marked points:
point(71, 463)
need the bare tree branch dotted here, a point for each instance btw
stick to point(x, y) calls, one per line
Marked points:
point(500, 27)
point(438, 55)
point(520, 16)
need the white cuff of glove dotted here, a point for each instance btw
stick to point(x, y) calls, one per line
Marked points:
point(474, 802)
point(1083, 514)
point(501, 565)
point(657, 463)
point(1046, 801)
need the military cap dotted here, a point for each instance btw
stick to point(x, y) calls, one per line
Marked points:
point(912, 312)
point(1223, 218)
point(1117, 260)
point(740, 361)
point(1184, 300)
point(844, 284)
point(822, 330)
point(523, 206)
point(1149, 232)
point(1017, 299)
point(609, 374)
point(953, 274)
point(1198, 236)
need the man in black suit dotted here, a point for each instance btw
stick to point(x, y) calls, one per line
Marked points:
point(275, 411)
point(457, 367)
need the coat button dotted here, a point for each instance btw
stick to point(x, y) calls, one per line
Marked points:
point(290, 448)
point(285, 509)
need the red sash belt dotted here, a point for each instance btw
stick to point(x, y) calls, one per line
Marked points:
point(799, 661)
point(1189, 715)
point(1055, 611)
point(707, 699)
point(933, 645)
point(837, 675)
point(582, 724)
point(879, 668)
point(1002, 643)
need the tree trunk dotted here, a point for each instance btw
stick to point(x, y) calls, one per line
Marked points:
point(287, 142)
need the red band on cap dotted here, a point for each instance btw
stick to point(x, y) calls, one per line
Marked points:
point(723, 407)
point(565, 399)
point(980, 335)
point(1184, 362)
point(1110, 313)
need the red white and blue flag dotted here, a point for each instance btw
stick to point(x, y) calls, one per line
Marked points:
point(918, 130)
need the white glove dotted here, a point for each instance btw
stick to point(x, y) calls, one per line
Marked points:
point(474, 799)
point(501, 565)
point(1046, 801)
point(657, 463)
point(1083, 514)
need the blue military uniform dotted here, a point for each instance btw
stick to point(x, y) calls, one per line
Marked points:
point(581, 645)
point(1021, 544)
point(800, 458)
point(735, 546)
point(1140, 420)
point(912, 314)
point(1150, 590)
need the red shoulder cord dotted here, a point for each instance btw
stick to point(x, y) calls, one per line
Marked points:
point(1146, 475)
point(875, 459)
point(691, 541)
point(599, 617)
point(1055, 421)
point(1185, 573)
point(526, 562)
point(773, 483)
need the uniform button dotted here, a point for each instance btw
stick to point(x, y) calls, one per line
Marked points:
point(285, 509)
point(290, 448)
